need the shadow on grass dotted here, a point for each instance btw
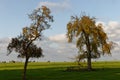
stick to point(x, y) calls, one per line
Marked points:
point(61, 74)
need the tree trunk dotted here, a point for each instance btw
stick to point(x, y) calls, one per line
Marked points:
point(89, 66)
point(25, 68)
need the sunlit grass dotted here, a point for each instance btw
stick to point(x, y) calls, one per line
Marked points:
point(57, 71)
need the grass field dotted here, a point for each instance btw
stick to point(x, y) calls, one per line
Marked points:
point(57, 71)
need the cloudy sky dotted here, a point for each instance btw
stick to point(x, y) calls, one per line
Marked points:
point(13, 17)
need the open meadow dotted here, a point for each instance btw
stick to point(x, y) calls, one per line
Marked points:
point(57, 71)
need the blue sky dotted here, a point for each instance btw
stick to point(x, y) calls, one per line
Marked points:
point(13, 13)
point(13, 17)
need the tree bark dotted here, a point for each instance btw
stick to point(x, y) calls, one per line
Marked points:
point(89, 66)
point(25, 68)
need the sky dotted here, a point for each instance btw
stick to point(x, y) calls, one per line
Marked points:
point(14, 16)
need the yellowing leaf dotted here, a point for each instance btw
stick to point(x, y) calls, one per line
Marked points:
point(24, 30)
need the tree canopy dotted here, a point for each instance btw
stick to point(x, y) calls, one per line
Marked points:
point(91, 40)
point(18, 45)
point(24, 44)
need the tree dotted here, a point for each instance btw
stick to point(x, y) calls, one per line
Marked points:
point(91, 40)
point(18, 44)
point(24, 44)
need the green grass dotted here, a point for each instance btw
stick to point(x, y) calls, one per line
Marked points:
point(57, 71)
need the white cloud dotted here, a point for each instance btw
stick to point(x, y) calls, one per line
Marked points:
point(59, 38)
point(56, 48)
point(112, 28)
point(56, 6)
point(113, 24)
point(3, 43)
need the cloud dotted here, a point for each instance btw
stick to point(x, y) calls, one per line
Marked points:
point(3, 43)
point(3, 50)
point(56, 6)
point(56, 48)
point(58, 38)
point(113, 24)
point(112, 28)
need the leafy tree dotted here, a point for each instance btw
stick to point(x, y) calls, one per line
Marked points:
point(19, 45)
point(24, 44)
point(91, 40)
